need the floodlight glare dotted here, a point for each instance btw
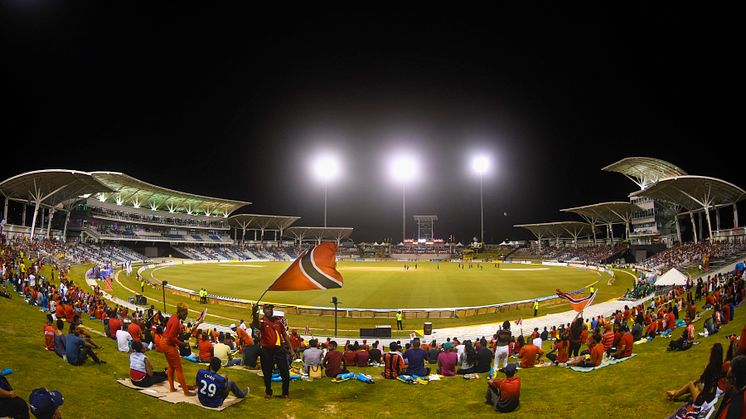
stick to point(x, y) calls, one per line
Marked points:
point(403, 168)
point(326, 167)
point(480, 164)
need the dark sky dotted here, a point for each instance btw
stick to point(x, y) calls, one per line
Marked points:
point(232, 104)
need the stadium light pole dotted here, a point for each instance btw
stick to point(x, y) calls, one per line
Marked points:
point(481, 165)
point(326, 168)
point(404, 169)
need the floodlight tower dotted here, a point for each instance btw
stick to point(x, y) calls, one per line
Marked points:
point(481, 165)
point(403, 169)
point(326, 168)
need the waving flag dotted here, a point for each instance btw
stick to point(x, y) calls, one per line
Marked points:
point(315, 269)
point(578, 304)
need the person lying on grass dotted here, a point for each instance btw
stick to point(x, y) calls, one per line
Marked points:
point(706, 384)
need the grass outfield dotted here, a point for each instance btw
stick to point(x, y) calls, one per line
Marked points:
point(125, 286)
point(632, 389)
point(386, 284)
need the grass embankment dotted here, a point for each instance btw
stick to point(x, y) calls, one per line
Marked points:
point(631, 389)
point(545, 280)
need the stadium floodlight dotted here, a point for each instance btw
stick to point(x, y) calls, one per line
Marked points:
point(404, 168)
point(481, 165)
point(326, 167)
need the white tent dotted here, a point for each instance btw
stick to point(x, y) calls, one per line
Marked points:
point(672, 277)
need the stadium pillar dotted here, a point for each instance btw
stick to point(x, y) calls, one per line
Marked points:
point(735, 215)
point(717, 219)
point(5, 211)
point(593, 229)
point(33, 220)
point(678, 226)
point(49, 222)
point(64, 229)
point(610, 232)
point(694, 226)
point(709, 222)
point(23, 215)
point(243, 236)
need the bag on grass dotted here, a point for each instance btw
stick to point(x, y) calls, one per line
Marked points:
point(314, 371)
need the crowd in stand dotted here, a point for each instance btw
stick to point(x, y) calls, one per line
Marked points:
point(590, 254)
point(692, 254)
point(582, 343)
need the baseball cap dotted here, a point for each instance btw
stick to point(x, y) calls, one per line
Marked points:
point(509, 370)
point(232, 326)
point(44, 403)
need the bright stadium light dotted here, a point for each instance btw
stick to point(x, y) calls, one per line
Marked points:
point(404, 168)
point(481, 165)
point(326, 168)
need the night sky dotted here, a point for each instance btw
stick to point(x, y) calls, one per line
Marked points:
point(233, 103)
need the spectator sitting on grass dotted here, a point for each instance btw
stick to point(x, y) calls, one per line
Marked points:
point(45, 404)
point(593, 359)
point(432, 354)
point(393, 363)
point(141, 370)
point(333, 361)
point(10, 404)
point(733, 402)
point(447, 360)
point(707, 382)
point(529, 355)
point(468, 358)
point(415, 357)
point(362, 357)
point(205, 349)
point(77, 349)
point(214, 388)
point(312, 356)
point(374, 355)
point(60, 340)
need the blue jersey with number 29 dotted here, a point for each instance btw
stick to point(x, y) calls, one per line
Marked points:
point(210, 388)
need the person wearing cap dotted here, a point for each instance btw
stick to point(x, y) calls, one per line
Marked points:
point(504, 393)
point(45, 404)
point(273, 345)
point(213, 388)
point(10, 404)
point(123, 337)
point(447, 360)
point(141, 370)
point(169, 345)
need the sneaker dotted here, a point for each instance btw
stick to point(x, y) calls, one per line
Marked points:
point(246, 392)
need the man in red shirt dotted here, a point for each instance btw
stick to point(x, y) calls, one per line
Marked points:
point(114, 325)
point(334, 362)
point(272, 346)
point(503, 393)
point(135, 331)
point(528, 355)
point(170, 347)
point(624, 348)
point(592, 360)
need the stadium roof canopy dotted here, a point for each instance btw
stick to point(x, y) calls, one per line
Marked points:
point(261, 222)
point(128, 190)
point(695, 193)
point(645, 171)
point(608, 213)
point(50, 188)
point(319, 234)
point(557, 229)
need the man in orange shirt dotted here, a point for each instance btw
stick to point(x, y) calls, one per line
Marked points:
point(244, 341)
point(170, 347)
point(624, 348)
point(592, 360)
point(528, 354)
point(504, 393)
point(135, 331)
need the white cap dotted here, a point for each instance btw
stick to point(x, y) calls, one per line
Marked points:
point(232, 326)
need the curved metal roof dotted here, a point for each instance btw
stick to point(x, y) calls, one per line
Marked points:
point(319, 233)
point(606, 212)
point(52, 186)
point(645, 171)
point(261, 222)
point(694, 192)
point(128, 190)
point(557, 228)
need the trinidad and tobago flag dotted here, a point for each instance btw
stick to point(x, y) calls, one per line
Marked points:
point(315, 269)
point(578, 304)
